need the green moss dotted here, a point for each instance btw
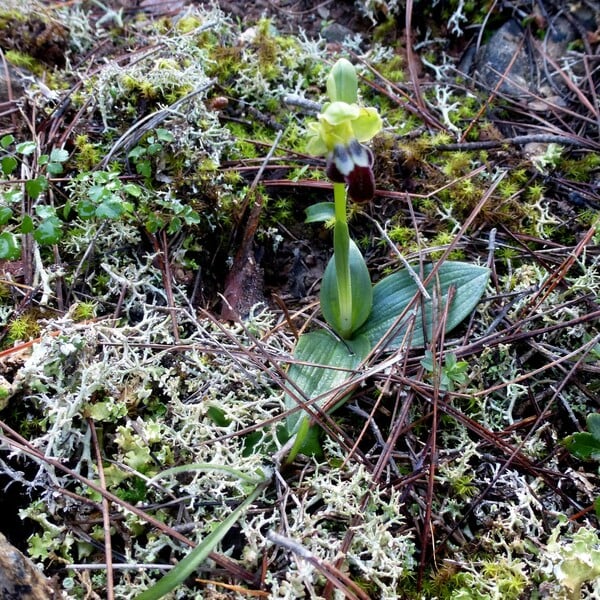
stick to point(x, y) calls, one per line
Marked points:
point(24, 327)
point(87, 155)
point(188, 23)
point(393, 70)
point(457, 164)
point(581, 169)
point(25, 61)
point(225, 63)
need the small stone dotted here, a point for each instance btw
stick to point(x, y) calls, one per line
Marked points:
point(19, 577)
point(505, 59)
point(336, 33)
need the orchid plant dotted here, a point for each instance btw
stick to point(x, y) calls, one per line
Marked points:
point(360, 315)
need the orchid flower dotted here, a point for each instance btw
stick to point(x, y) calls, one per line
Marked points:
point(342, 128)
point(339, 133)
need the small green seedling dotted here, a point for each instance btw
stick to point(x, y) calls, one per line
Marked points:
point(453, 372)
point(586, 445)
point(391, 314)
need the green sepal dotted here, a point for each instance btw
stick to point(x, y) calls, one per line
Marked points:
point(394, 293)
point(361, 295)
point(342, 82)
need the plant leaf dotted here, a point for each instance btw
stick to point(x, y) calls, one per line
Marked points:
point(394, 293)
point(361, 294)
point(328, 362)
point(5, 215)
point(9, 246)
point(593, 424)
point(49, 231)
point(320, 212)
point(189, 564)
point(583, 446)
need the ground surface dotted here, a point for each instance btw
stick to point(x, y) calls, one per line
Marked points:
point(157, 272)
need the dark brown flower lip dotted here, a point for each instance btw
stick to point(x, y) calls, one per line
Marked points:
point(352, 164)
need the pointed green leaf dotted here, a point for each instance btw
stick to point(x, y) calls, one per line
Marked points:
point(394, 293)
point(320, 212)
point(327, 362)
point(190, 563)
point(361, 289)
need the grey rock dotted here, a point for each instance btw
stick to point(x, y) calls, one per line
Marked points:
point(504, 63)
point(19, 577)
point(336, 33)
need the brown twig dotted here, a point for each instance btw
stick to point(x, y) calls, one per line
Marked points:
point(110, 577)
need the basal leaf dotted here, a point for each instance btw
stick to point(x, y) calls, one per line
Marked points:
point(329, 362)
point(394, 293)
point(361, 293)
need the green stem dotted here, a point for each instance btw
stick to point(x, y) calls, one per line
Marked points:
point(341, 254)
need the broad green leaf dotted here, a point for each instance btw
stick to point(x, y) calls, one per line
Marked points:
point(8, 165)
point(132, 189)
point(583, 445)
point(327, 363)
point(86, 209)
point(27, 225)
point(164, 135)
point(35, 187)
point(586, 445)
point(58, 155)
point(45, 212)
point(13, 195)
point(9, 246)
point(55, 168)
point(110, 209)
point(394, 293)
point(361, 291)
point(593, 424)
point(49, 231)
point(6, 140)
point(5, 215)
point(26, 148)
point(198, 555)
point(97, 192)
point(320, 212)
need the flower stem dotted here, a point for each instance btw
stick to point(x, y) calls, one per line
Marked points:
point(341, 254)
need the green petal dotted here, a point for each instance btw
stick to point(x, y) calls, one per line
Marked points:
point(315, 143)
point(367, 125)
point(339, 112)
